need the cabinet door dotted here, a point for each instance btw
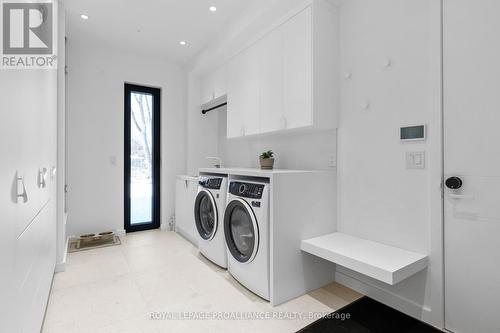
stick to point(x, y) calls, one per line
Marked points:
point(8, 207)
point(213, 85)
point(220, 82)
point(206, 87)
point(243, 94)
point(271, 81)
point(298, 70)
point(235, 98)
point(180, 204)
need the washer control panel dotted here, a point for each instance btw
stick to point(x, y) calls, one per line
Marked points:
point(246, 190)
point(212, 183)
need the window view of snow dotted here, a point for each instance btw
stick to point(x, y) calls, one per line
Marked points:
point(141, 176)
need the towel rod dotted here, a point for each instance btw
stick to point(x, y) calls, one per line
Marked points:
point(213, 108)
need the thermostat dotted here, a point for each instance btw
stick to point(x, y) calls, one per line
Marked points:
point(412, 133)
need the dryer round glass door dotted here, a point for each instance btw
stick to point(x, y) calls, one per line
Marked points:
point(205, 215)
point(241, 231)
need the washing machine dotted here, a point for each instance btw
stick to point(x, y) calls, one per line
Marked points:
point(246, 229)
point(209, 216)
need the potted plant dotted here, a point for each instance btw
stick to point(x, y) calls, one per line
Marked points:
point(267, 160)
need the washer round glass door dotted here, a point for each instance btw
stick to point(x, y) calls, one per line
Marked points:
point(241, 231)
point(205, 215)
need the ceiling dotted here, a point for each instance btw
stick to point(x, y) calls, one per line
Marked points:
point(152, 26)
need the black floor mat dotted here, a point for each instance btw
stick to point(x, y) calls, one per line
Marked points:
point(368, 316)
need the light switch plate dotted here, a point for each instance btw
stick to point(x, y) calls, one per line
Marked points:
point(415, 159)
point(332, 161)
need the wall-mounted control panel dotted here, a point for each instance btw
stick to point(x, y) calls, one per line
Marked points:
point(412, 133)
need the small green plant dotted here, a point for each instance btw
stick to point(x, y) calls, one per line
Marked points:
point(267, 154)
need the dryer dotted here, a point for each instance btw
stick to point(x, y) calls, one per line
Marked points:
point(246, 230)
point(208, 214)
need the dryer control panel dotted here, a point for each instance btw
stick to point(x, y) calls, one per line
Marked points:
point(212, 183)
point(246, 190)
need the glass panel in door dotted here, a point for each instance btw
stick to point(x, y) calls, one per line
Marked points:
point(142, 158)
point(242, 231)
point(141, 164)
point(205, 215)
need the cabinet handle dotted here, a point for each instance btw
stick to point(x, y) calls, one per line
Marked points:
point(243, 130)
point(42, 178)
point(21, 189)
point(53, 173)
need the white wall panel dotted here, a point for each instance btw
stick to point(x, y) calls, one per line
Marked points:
point(379, 198)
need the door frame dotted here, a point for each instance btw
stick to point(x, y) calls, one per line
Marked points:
point(156, 151)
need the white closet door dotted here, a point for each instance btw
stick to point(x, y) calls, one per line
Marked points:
point(472, 154)
point(8, 206)
point(298, 70)
point(35, 139)
point(28, 225)
point(271, 58)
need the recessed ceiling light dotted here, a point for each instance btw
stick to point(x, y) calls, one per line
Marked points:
point(212, 8)
point(84, 17)
point(182, 42)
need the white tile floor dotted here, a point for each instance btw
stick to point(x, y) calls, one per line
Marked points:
point(115, 289)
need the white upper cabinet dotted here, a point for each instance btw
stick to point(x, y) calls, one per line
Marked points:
point(271, 75)
point(214, 85)
point(298, 73)
point(288, 79)
point(243, 94)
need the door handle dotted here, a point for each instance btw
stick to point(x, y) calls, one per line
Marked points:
point(461, 196)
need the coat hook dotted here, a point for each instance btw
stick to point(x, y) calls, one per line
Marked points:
point(365, 105)
point(388, 63)
point(348, 75)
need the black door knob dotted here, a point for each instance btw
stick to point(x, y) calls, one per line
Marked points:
point(453, 183)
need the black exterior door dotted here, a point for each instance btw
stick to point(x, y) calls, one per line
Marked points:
point(142, 158)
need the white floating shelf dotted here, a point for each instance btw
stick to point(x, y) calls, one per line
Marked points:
point(379, 261)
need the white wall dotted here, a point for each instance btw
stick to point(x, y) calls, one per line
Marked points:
point(294, 150)
point(379, 199)
point(95, 113)
point(201, 129)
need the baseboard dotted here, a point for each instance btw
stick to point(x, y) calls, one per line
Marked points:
point(386, 297)
point(61, 266)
